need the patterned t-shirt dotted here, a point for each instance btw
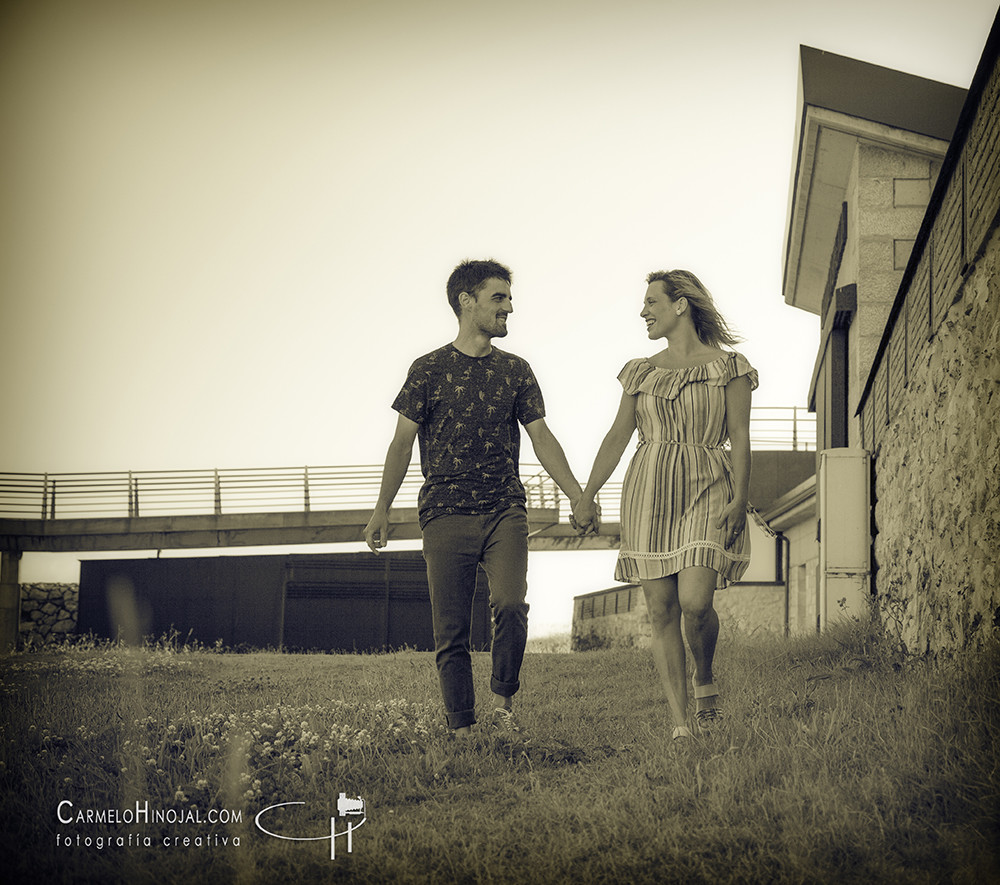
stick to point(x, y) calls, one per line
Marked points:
point(468, 409)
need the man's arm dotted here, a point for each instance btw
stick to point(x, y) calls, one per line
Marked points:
point(551, 456)
point(397, 462)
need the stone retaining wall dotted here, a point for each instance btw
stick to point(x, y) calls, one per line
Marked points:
point(938, 482)
point(48, 611)
point(930, 413)
point(617, 617)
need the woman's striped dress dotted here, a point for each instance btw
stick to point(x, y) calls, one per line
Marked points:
point(680, 477)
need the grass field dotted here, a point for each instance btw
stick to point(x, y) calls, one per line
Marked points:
point(838, 761)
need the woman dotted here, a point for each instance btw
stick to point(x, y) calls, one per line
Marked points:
point(684, 499)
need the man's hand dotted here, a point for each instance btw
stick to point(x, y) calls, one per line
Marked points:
point(377, 530)
point(586, 516)
point(733, 519)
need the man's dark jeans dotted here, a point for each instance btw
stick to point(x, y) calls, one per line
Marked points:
point(453, 548)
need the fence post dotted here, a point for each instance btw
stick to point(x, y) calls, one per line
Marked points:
point(133, 495)
point(795, 428)
point(218, 494)
point(306, 486)
point(45, 496)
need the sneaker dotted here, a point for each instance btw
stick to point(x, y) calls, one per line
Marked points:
point(708, 719)
point(710, 713)
point(504, 722)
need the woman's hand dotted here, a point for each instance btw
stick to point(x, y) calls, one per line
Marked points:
point(733, 519)
point(586, 516)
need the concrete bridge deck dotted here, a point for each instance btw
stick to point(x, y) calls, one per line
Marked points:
point(165, 510)
point(547, 531)
point(160, 510)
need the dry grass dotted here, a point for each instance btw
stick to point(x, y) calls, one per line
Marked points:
point(837, 762)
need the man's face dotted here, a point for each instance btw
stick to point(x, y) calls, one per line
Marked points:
point(490, 308)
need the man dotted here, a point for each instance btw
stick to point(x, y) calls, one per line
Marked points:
point(463, 402)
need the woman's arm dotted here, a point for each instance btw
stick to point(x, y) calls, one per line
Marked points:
point(608, 456)
point(738, 423)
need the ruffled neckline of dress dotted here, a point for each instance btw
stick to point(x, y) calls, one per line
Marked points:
point(646, 361)
point(641, 376)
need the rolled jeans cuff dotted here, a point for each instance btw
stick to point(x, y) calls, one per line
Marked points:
point(504, 689)
point(461, 718)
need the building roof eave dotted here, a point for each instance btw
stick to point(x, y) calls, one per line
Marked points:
point(793, 507)
point(842, 101)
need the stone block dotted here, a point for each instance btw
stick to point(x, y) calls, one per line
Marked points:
point(911, 192)
point(875, 193)
point(890, 222)
point(874, 253)
point(901, 250)
point(879, 162)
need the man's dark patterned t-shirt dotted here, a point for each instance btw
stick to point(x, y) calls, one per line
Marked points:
point(468, 409)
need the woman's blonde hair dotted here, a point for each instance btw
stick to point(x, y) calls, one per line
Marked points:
point(710, 326)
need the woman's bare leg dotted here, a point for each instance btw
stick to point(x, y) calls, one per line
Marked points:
point(696, 594)
point(664, 610)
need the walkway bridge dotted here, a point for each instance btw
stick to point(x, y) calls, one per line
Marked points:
point(203, 509)
point(169, 509)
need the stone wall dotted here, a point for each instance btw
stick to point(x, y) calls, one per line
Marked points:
point(48, 611)
point(622, 630)
point(752, 607)
point(930, 413)
point(618, 617)
point(938, 480)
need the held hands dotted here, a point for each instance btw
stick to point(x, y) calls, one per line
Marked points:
point(586, 516)
point(733, 519)
point(377, 531)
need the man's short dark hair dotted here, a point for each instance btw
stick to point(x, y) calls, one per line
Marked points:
point(469, 277)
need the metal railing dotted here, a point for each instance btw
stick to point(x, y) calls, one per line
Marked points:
point(133, 494)
point(214, 492)
point(782, 428)
point(195, 492)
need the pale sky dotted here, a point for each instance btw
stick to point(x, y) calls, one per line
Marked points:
point(225, 227)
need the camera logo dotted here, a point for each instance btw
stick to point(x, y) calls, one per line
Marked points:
point(346, 808)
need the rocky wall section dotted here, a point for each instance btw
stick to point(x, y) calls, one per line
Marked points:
point(938, 481)
point(748, 608)
point(48, 611)
point(622, 630)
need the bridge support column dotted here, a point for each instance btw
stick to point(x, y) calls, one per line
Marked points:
point(10, 600)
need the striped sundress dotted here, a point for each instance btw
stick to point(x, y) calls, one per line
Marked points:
point(680, 477)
